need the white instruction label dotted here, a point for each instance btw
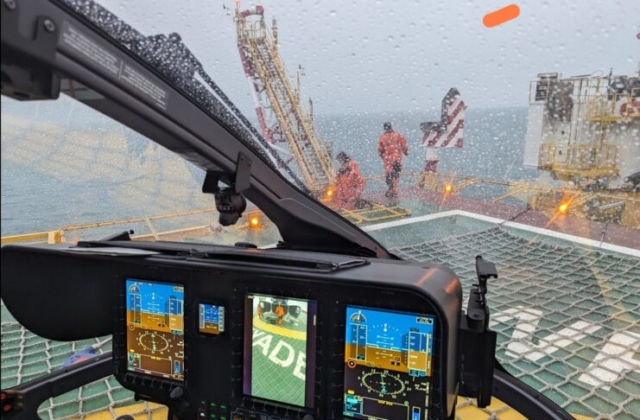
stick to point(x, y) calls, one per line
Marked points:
point(82, 44)
point(144, 85)
point(75, 41)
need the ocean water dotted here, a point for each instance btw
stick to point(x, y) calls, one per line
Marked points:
point(493, 142)
point(64, 164)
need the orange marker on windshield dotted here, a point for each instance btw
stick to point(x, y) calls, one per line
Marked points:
point(501, 16)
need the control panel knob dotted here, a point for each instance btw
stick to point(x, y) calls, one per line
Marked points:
point(176, 392)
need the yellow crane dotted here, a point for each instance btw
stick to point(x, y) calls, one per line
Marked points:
point(281, 116)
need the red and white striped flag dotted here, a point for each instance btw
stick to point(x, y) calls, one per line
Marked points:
point(448, 132)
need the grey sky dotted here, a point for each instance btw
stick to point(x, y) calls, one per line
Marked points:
point(390, 56)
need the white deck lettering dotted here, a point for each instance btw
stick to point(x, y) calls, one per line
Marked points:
point(523, 333)
point(616, 356)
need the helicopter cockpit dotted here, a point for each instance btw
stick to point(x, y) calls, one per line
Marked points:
point(327, 324)
point(192, 328)
point(234, 333)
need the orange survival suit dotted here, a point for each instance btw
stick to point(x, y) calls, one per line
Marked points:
point(350, 184)
point(391, 146)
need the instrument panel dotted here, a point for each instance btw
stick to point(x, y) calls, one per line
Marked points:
point(388, 358)
point(220, 341)
point(155, 328)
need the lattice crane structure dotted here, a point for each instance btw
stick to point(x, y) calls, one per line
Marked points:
point(284, 122)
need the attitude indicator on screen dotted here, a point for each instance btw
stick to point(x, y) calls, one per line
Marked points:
point(155, 328)
point(387, 364)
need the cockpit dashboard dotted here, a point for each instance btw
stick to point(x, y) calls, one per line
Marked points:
point(221, 333)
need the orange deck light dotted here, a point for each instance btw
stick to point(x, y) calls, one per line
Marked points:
point(563, 208)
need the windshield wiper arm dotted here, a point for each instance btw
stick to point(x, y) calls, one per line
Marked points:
point(171, 58)
point(281, 163)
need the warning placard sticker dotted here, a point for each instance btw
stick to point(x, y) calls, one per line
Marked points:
point(80, 45)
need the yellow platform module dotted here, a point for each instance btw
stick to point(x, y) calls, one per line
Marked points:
point(584, 128)
point(375, 214)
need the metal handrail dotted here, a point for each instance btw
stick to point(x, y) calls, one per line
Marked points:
point(457, 183)
point(580, 157)
point(58, 236)
point(608, 106)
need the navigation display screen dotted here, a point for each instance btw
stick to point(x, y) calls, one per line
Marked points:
point(280, 348)
point(387, 364)
point(210, 319)
point(155, 328)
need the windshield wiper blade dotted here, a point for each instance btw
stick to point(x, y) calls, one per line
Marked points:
point(281, 162)
point(171, 58)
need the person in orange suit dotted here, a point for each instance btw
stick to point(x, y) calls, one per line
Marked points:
point(350, 184)
point(391, 146)
point(279, 311)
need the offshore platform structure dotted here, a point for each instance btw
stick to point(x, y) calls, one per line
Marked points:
point(585, 130)
point(281, 116)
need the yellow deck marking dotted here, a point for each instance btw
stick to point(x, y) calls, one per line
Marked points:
point(274, 329)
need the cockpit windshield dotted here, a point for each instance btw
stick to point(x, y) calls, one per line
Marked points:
point(442, 130)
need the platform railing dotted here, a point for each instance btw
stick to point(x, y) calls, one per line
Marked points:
point(441, 183)
point(603, 158)
point(613, 107)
